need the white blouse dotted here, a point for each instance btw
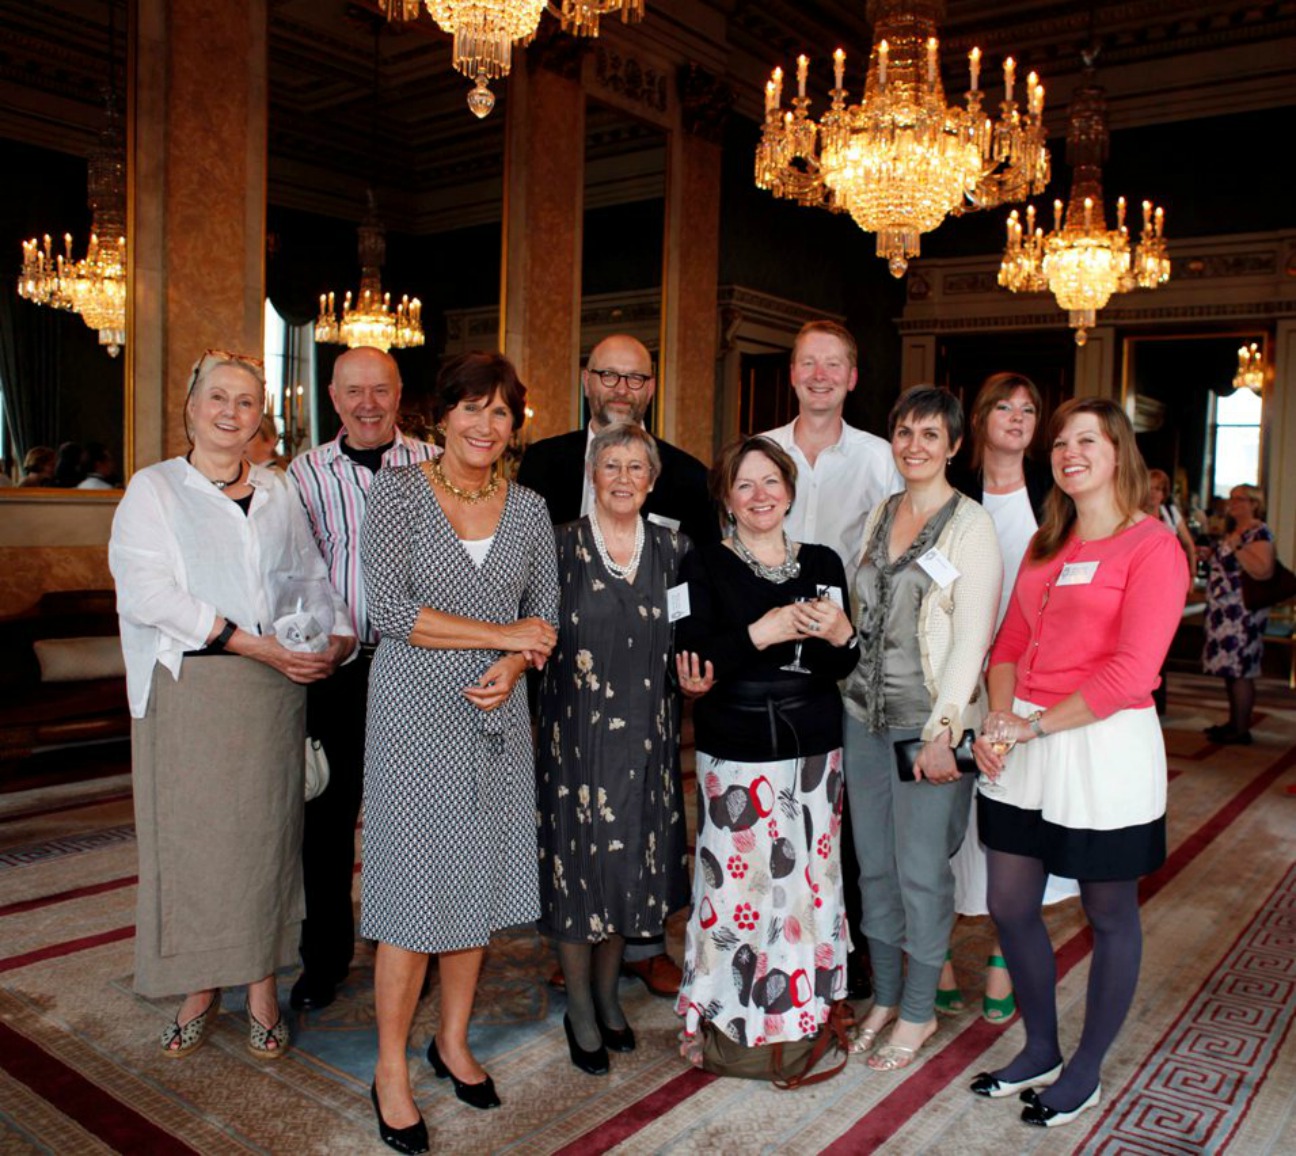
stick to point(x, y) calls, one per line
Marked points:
point(182, 553)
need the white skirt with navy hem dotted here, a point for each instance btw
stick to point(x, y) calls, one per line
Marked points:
point(1089, 802)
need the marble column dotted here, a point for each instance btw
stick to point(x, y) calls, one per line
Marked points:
point(197, 172)
point(544, 171)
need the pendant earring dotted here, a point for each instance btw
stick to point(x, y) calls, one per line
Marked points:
point(729, 515)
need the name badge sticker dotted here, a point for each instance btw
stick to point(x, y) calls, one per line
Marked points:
point(938, 568)
point(662, 520)
point(1077, 574)
point(832, 593)
point(677, 602)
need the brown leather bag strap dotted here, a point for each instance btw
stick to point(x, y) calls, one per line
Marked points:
point(833, 1032)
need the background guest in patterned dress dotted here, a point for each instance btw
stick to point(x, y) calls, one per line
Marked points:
point(613, 862)
point(463, 589)
point(767, 941)
point(1234, 635)
point(927, 589)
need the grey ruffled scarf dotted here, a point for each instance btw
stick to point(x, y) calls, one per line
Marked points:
point(873, 622)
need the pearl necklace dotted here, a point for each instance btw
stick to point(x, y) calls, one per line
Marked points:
point(617, 571)
point(486, 491)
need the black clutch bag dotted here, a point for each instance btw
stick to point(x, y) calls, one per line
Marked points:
point(908, 750)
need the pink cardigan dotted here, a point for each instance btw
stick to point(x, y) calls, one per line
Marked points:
point(1106, 639)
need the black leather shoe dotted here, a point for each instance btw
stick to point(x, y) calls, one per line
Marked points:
point(616, 1039)
point(411, 1140)
point(474, 1095)
point(1043, 1116)
point(311, 994)
point(595, 1062)
point(990, 1085)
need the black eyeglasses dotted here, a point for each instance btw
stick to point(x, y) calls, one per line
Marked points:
point(608, 378)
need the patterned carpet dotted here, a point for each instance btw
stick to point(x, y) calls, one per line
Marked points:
point(1206, 1063)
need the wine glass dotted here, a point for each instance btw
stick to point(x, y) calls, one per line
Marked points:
point(795, 667)
point(999, 734)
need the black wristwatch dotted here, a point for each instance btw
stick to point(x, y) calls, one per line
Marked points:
point(227, 632)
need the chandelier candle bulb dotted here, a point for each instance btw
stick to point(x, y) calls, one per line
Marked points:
point(1088, 207)
point(974, 65)
point(1120, 213)
point(1057, 216)
point(1010, 68)
point(839, 68)
point(931, 62)
point(803, 70)
point(883, 50)
point(778, 87)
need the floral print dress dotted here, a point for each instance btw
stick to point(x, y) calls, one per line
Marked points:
point(613, 856)
point(1234, 636)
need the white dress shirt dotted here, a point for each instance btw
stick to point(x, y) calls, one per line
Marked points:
point(182, 553)
point(834, 496)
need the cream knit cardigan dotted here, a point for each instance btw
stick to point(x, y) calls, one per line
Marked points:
point(956, 625)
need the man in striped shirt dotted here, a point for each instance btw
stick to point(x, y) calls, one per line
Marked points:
point(333, 483)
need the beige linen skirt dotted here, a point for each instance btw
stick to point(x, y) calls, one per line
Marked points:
point(218, 771)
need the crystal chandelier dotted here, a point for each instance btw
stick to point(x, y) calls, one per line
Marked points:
point(94, 286)
point(902, 160)
point(485, 31)
point(1251, 369)
point(1082, 262)
point(368, 318)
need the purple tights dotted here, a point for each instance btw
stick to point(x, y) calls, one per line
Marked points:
point(1016, 894)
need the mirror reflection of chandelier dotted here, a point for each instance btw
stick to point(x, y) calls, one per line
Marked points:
point(485, 31)
point(1251, 369)
point(95, 285)
point(902, 160)
point(1082, 262)
point(368, 318)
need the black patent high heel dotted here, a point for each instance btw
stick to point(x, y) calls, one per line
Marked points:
point(411, 1140)
point(615, 1039)
point(595, 1062)
point(481, 1095)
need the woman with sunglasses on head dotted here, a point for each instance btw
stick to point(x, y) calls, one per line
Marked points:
point(208, 551)
point(1072, 749)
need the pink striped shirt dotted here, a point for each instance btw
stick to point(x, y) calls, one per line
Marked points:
point(334, 489)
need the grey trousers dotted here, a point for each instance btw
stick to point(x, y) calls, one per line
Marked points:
point(905, 834)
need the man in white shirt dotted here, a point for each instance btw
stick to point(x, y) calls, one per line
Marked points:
point(333, 483)
point(842, 472)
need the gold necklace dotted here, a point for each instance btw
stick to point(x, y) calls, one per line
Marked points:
point(486, 491)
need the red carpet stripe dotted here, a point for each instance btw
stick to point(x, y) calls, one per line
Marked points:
point(63, 896)
point(99, 1113)
point(55, 950)
point(641, 1113)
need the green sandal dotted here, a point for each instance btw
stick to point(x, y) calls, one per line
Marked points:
point(949, 1000)
point(998, 1011)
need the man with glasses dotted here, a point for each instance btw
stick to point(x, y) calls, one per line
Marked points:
point(619, 384)
point(333, 483)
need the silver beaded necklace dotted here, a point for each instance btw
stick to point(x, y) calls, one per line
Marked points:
point(613, 568)
point(787, 569)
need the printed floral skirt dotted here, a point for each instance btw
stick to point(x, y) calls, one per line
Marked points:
point(766, 946)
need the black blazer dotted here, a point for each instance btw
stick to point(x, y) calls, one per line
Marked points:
point(1039, 481)
point(555, 469)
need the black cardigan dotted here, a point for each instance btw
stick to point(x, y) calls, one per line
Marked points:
point(757, 712)
point(1039, 481)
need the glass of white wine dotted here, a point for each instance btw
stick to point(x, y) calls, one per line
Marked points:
point(999, 734)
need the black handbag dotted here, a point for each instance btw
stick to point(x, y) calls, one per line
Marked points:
point(908, 750)
point(1261, 593)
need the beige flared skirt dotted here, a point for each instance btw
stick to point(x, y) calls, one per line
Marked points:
point(218, 772)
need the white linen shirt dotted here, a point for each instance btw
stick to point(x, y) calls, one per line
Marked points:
point(835, 495)
point(182, 553)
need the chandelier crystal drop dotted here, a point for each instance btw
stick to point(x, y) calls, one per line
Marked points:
point(368, 318)
point(902, 160)
point(1080, 261)
point(581, 17)
point(484, 32)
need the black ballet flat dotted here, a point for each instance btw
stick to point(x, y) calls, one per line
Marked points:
point(481, 1095)
point(1042, 1116)
point(616, 1039)
point(595, 1062)
point(411, 1140)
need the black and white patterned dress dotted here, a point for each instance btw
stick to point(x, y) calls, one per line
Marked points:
point(449, 794)
point(613, 859)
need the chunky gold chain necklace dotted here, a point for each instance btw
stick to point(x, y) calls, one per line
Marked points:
point(488, 490)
